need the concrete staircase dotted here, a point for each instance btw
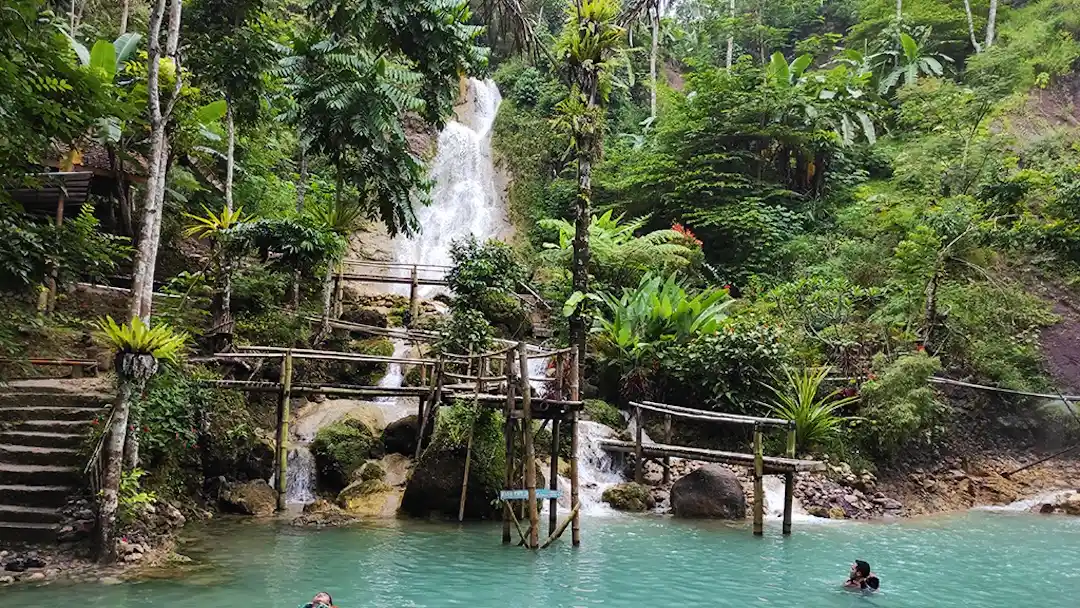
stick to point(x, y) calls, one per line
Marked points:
point(43, 425)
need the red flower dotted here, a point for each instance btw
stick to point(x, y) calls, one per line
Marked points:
point(95, 421)
point(920, 348)
point(146, 429)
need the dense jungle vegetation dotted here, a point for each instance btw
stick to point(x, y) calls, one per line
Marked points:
point(709, 192)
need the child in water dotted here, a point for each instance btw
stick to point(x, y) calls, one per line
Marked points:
point(321, 600)
point(862, 578)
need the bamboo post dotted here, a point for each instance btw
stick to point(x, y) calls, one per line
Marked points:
point(553, 476)
point(54, 272)
point(575, 393)
point(530, 450)
point(759, 490)
point(434, 396)
point(558, 532)
point(414, 298)
point(789, 482)
point(559, 376)
point(468, 445)
point(639, 466)
point(667, 440)
point(283, 428)
point(508, 431)
point(339, 291)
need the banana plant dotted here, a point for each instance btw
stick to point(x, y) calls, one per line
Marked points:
point(911, 61)
point(781, 73)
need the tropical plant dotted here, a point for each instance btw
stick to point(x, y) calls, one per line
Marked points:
point(619, 257)
point(137, 338)
point(816, 418)
point(213, 225)
point(912, 60)
point(216, 227)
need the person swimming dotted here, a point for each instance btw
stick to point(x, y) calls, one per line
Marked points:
point(862, 578)
point(321, 600)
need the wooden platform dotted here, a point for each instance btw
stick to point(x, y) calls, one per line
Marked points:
point(773, 464)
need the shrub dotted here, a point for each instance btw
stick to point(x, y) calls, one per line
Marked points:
point(273, 328)
point(816, 419)
point(899, 407)
point(604, 413)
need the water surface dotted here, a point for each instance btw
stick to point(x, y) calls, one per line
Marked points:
point(976, 560)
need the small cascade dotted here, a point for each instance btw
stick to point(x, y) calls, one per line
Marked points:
point(596, 469)
point(300, 478)
point(465, 199)
point(774, 501)
point(538, 369)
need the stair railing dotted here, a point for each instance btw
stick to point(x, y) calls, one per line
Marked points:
point(95, 467)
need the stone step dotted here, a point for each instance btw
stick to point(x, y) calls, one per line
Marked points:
point(38, 474)
point(26, 454)
point(26, 532)
point(35, 496)
point(33, 515)
point(42, 439)
point(52, 426)
point(19, 414)
point(10, 398)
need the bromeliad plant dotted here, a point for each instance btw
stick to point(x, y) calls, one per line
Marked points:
point(136, 338)
point(816, 419)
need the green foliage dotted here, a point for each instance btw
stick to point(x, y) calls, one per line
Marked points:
point(272, 327)
point(136, 338)
point(603, 412)
point(454, 424)
point(465, 331)
point(170, 412)
point(816, 418)
point(481, 269)
point(900, 410)
point(133, 500)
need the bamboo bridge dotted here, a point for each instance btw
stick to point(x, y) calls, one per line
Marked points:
point(761, 464)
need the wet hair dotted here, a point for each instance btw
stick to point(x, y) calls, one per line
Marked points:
point(871, 583)
point(862, 568)
point(328, 598)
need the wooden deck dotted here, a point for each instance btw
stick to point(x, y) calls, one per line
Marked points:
point(774, 465)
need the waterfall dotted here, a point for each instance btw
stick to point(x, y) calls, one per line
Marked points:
point(774, 501)
point(596, 469)
point(300, 478)
point(465, 199)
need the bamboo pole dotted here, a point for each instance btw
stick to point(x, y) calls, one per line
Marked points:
point(468, 446)
point(553, 477)
point(789, 483)
point(414, 298)
point(575, 504)
point(432, 405)
point(639, 465)
point(759, 490)
point(508, 432)
point(283, 429)
point(530, 450)
point(667, 440)
point(559, 531)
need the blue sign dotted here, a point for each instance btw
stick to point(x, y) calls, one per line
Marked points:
point(541, 494)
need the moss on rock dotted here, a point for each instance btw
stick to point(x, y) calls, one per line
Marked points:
point(629, 496)
point(603, 412)
point(339, 449)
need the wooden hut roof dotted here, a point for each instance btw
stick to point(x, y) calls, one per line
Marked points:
point(43, 198)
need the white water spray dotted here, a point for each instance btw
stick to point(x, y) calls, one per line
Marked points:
point(773, 487)
point(465, 199)
point(300, 478)
point(1053, 497)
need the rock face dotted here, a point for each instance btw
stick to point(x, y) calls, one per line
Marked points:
point(371, 498)
point(629, 497)
point(1072, 504)
point(250, 498)
point(435, 487)
point(712, 491)
point(399, 437)
point(339, 449)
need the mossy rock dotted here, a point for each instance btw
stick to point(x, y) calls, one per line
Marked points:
point(413, 377)
point(379, 346)
point(364, 316)
point(341, 448)
point(603, 412)
point(629, 496)
point(366, 498)
point(370, 471)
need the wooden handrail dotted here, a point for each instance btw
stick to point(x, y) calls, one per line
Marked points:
point(687, 412)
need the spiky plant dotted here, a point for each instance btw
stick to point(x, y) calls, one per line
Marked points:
point(816, 419)
point(213, 224)
point(149, 345)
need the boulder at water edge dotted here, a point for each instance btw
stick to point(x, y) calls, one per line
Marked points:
point(435, 486)
point(341, 448)
point(1071, 505)
point(371, 498)
point(712, 491)
point(399, 437)
point(629, 496)
point(250, 498)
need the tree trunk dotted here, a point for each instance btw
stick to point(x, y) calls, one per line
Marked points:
point(580, 266)
point(328, 301)
point(230, 151)
point(971, 27)
point(113, 451)
point(124, 17)
point(301, 191)
point(652, 58)
point(131, 443)
point(145, 252)
point(991, 23)
point(731, 36)
point(899, 10)
point(930, 309)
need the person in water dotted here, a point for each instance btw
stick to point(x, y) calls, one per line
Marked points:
point(321, 600)
point(862, 578)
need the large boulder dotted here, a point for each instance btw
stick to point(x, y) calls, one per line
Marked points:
point(629, 497)
point(712, 491)
point(364, 316)
point(434, 489)
point(399, 437)
point(371, 498)
point(339, 449)
point(251, 498)
point(1071, 505)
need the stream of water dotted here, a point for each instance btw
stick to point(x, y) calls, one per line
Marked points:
point(975, 560)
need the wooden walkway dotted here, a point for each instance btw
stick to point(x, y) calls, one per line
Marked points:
point(774, 465)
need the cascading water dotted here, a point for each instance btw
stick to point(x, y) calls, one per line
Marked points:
point(596, 469)
point(465, 200)
point(300, 478)
point(774, 501)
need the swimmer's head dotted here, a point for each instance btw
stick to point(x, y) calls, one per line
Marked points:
point(322, 599)
point(872, 583)
point(860, 568)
